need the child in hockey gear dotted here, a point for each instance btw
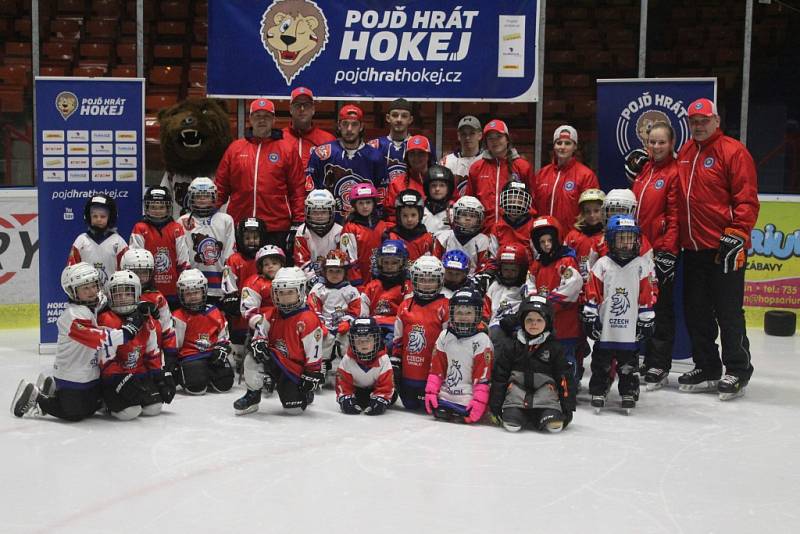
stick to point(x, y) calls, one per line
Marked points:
point(210, 234)
point(318, 235)
point(466, 235)
point(80, 339)
point(285, 351)
point(408, 207)
point(419, 322)
point(389, 286)
point(257, 290)
point(361, 234)
point(164, 238)
point(201, 335)
point(619, 311)
point(439, 189)
point(364, 379)
point(517, 214)
point(456, 272)
point(461, 366)
point(619, 202)
point(100, 245)
point(532, 381)
point(336, 303)
point(554, 275)
point(508, 289)
point(416, 158)
point(131, 373)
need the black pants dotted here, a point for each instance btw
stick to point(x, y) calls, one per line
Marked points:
point(659, 347)
point(713, 305)
point(72, 404)
point(530, 417)
point(627, 363)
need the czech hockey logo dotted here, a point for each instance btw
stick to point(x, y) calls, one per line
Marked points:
point(162, 261)
point(454, 375)
point(280, 346)
point(101, 270)
point(619, 302)
point(66, 103)
point(294, 33)
point(416, 339)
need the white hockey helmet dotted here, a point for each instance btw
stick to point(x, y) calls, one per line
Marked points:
point(190, 281)
point(466, 206)
point(425, 269)
point(619, 202)
point(137, 259)
point(79, 275)
point(269, 251)
point(201, 187)
point(289, 278)
point(124, 291)
point(320, 200)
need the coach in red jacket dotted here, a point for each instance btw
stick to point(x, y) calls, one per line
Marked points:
point(718, 206)
point(302, 131)
point(262, 176)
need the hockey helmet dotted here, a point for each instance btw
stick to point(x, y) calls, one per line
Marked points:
point(541, 306)
point(364, 191)
point(76, 276)
point(592, 195)
point(515, 199)
point(546, 225)
point(465, 312)
point(101, 201)
point(439, 173)
point(622, 238)
point(289, 279)
point(467, 217)
point(250, 225)
point(124, 291)
point(427, 277)
point(619, 202)
point(391, 249)
point(201, 197)
point(512, 255)
point(365, 328)
point(192, 289)
point(141, 262)
point(157, 197)
point(319, 210)
point(409, 198)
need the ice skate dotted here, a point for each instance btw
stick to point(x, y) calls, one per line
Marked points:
point(628, 403)
point(697, 381)
point(46, 385)
point(24, 400)
point(248, 403)
point(551, 422)
point(656, 378)
point(730, 387)
point(598, 403)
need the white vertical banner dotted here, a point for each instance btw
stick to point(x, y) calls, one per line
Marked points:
point(511, 47)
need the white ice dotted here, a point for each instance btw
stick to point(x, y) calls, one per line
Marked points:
point(680, 463)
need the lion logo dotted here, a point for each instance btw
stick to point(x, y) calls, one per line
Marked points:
point(295, 33)
point(66, 103)
point(416, 340)
point(646, 121)
point(619, 302)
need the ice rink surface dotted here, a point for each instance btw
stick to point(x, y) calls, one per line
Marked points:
point(681, 463)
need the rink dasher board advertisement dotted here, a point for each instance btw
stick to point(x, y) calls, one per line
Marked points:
point(445, 51)
point(89, 140)
point(627, 106)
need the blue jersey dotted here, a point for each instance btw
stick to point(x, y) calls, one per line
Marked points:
point(394, 153)
point(332, 168)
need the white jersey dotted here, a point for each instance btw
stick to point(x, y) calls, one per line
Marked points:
point(460, 165)
point(104, 256)
point(436, 223)
point(310, 249)
point(480, 248)
point(504, 300)
point(82, 344)
point(466, 357)
point(210, 241)
point(336, 304)
point(365, 376)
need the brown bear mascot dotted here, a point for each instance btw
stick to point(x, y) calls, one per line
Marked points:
point(194, 136)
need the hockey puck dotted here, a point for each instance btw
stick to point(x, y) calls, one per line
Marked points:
point(780, 323)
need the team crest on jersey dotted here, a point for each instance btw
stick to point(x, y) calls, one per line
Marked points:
point(162, 261)
point(324, 151)
point(207, 249)
point(569, 186)
point(374, 143)
point(274, 157)
point(416, 339)
point(394, 169)
point(133, 357)
point(318, 334)
point(659, 183)
point(383, 307)
point(708, 162)
point(620, 304)
point(101, 270)
point(454, 375)
point(203, 341)
point(545, 357)
point(301, 327)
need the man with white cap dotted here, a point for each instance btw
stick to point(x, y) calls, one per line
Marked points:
point(717, 207)
point(302, 131)
point(559, 184)
point(469, 138)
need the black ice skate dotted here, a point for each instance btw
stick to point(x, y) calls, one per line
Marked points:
point(656, 378)
point(248, 403)
point(628, 403)
point(24, 400)
point(730, 387)
point(551, 422)
point(598, 403)
point(697, 381)
point(46, 385)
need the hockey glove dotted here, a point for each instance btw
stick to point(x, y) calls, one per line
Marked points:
point(477, 406)
point(260, 351)
point(432, 388)
point(133, 323)
point(348, 405)
point(149, 308)
point(130, 389)
point(482, 282)
point(230, 304)
point(311, 380)
point(634, 163)
point(343, 328)
point(731, 250)
point(165, 384)
point(591, 324)
point(220, 354)
point(666, 264)
point(376, 406)
point(645, 329)
point(397, 368)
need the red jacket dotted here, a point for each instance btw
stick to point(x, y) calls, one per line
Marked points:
point(486, 179)
point(558, 189)
point(518, 234)
point(656, 190)
point(718, 189)
point(307, 142)
point(560, 283)
point(263, 177)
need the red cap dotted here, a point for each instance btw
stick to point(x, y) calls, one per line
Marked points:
point(351, 112)
point(702, 106)
point(300, 91)
point(262, 104)
point(495, 125)
point(419, 142)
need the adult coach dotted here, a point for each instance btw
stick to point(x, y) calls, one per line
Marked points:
point(302, 131)
point(718, 206)
point(262, 176)
point(469, 140)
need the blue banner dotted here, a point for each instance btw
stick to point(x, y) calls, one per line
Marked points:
point(625, 108)
point(445, 50)
point(89, 140)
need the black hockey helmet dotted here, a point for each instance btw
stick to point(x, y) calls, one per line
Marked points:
point(104, 201)
point(409, 198)
point(365, 327)
point(250, 224)
point(439, 173)
point(157, 196)
point(471, 299)
point(540, 305)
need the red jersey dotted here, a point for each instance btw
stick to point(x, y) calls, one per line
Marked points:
point(256, 298)
point(517, 233)
point(419, 245)
point(295, 341)
point(583, 244)
point(558, 189)
point(561, 283)
point(165, 331)
point(383, 302)
point(400, 183)
point(376, 375)
point(416, 329)
point(196, 333)
point(169, 251)
point(656, 190)
point(237, 269)
point(359, 242)
point(306, 142)
point(139, 355)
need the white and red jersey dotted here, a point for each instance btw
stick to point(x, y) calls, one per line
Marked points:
point(295, 340)
point(383, 302)
point(583, 245)
point(82, 343)
point(436, 223)
point(376, 375)
point(502, 300)
point(238, 268)
point(196, 333)
point(310, 249)
point(621, 295)
point(138, 355)
point(480, 248)
point(255, 299)
point(359, 242)
point(459, 165)
point(210, 242)
point(560, 282)
point(165, 330)
point(334, 304)
point(461, 363)
point(103, 256)
point(416, 329)
point(169, 250)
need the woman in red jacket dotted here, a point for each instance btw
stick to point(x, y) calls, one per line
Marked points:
point(656, 190)
point(559, 185)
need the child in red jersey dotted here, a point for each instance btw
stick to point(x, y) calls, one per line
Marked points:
point(201, 335)
point(408, 207)
point(163, 237)
point(257, 290)
point(417, 159)
point(285, 350)
point(364, 380)
point(361, 234)
point(383, 295)
point(517, 214)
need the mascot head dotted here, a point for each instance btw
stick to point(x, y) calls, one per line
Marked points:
point(194, 135)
